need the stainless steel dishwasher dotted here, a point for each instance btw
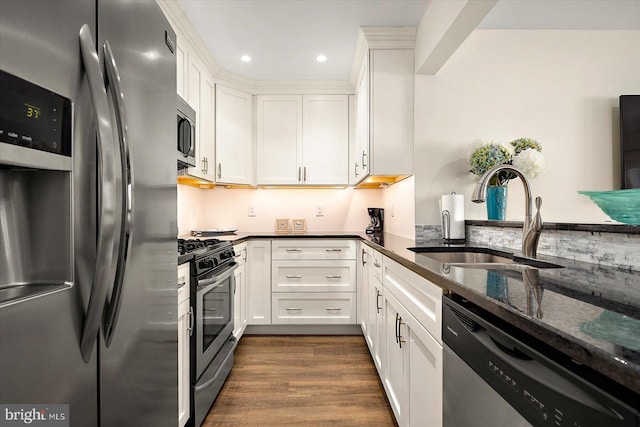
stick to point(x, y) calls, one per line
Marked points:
point(492, 378)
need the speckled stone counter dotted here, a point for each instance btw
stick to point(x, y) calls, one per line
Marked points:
point(587, 312)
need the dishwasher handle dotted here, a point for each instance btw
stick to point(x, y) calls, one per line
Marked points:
point(540, 389)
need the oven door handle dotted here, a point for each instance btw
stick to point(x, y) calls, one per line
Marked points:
point(205, 285)
point(104, 272)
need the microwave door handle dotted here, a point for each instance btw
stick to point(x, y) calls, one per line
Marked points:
point(103, 273)
point(112, 310)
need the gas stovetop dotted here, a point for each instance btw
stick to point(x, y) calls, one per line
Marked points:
point(210, 254)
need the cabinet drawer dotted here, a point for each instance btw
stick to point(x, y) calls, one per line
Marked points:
point(376, 265)
point(422, 298)
point(313, 249)
point(313, 308)
point(183, 282)
point(313, 276)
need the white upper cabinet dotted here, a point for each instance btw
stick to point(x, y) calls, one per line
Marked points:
point(325, 136)
point(384, 114)
point(234, 151)
point(200, 96)
point(279, 139)
point(303, 139)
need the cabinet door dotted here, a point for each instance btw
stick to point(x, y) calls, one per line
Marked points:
point(375, 321)
point(279, 139)
point(183, 362)
point(362, 280)
point(201, 99)
point(361, 155)
point(234, 154)
point(182, 64)
point(259, 282)
point(393, 371)
point(423, 376)
point(390, 124)
point(325, 139)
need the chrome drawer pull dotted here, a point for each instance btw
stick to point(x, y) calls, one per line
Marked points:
point(333, 277)
point(293, 276)
point(333, 309)
point(375, 263)
point(293, 309)
point(293, 250)
point(334, 250)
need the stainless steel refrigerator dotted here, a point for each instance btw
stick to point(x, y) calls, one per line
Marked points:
point(88, 294)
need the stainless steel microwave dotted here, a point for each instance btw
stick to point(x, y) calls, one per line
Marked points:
point(186, 135)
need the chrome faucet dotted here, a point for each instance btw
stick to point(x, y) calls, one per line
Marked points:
point(531, 228)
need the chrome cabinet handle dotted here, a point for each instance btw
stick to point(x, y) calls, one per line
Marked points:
point(334, 250)
point(378, 295)
point(293, 276)
point(293, 309)
point(202, 165)
point(206, 165)
point(364, 256)
point(333, 309)
point(336, 276)
point(244, 251)
point(299, 173)
point(304, 174)
point(364, 154)
point(355, 169)
point(397, 333)
point(219, 170)
point(375, 263)
point(104, 273)
point(112, 310)
point(293, 250)
point(400, 323)
point(192, 321)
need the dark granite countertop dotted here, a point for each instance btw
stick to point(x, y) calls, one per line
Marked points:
point(589, 313)
point(184, 258)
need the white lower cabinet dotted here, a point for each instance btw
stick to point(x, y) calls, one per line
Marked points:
point(313, 281)
point(185, 325)
point(259, 282)
point(402, 328)
point(313, 308)
point(240, 292)
point(412, 367)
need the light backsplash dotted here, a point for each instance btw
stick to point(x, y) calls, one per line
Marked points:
point(344, 210)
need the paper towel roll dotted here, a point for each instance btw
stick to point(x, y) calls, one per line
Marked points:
point(452, 215)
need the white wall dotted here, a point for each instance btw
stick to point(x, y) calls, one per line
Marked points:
point(558, 87)
point(344, 209)
point(398, 202)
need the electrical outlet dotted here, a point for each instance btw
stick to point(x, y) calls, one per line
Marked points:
point(252, 210)
point(319, 211)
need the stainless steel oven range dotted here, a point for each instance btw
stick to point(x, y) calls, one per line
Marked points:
point(212, 342)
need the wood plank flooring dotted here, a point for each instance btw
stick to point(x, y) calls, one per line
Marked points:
point(302, 381)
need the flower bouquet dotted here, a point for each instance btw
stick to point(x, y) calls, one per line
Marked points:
point(523, 153)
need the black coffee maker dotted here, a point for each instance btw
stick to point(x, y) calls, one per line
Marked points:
point(376, 220)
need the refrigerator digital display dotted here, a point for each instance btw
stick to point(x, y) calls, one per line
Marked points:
point(33, 117)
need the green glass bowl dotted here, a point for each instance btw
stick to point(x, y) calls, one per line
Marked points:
point(620, 205)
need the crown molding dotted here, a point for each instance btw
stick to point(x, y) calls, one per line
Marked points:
point(303, 87)
point(379, 38)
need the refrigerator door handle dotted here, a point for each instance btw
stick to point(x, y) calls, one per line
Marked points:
point(103, 273)
point(110, 317)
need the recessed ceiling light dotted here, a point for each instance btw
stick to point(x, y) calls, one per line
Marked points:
point(245, 58)
point(321, 58)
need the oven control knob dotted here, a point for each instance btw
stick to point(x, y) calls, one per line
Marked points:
point(225, 255)
point(207, 263)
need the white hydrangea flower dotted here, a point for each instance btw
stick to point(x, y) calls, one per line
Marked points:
point(530, 161)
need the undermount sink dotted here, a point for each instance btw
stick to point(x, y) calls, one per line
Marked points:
point(480, 258)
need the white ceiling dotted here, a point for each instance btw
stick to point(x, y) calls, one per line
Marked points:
point(284, 36)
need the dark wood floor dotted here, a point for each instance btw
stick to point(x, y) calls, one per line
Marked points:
point(302, 381)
